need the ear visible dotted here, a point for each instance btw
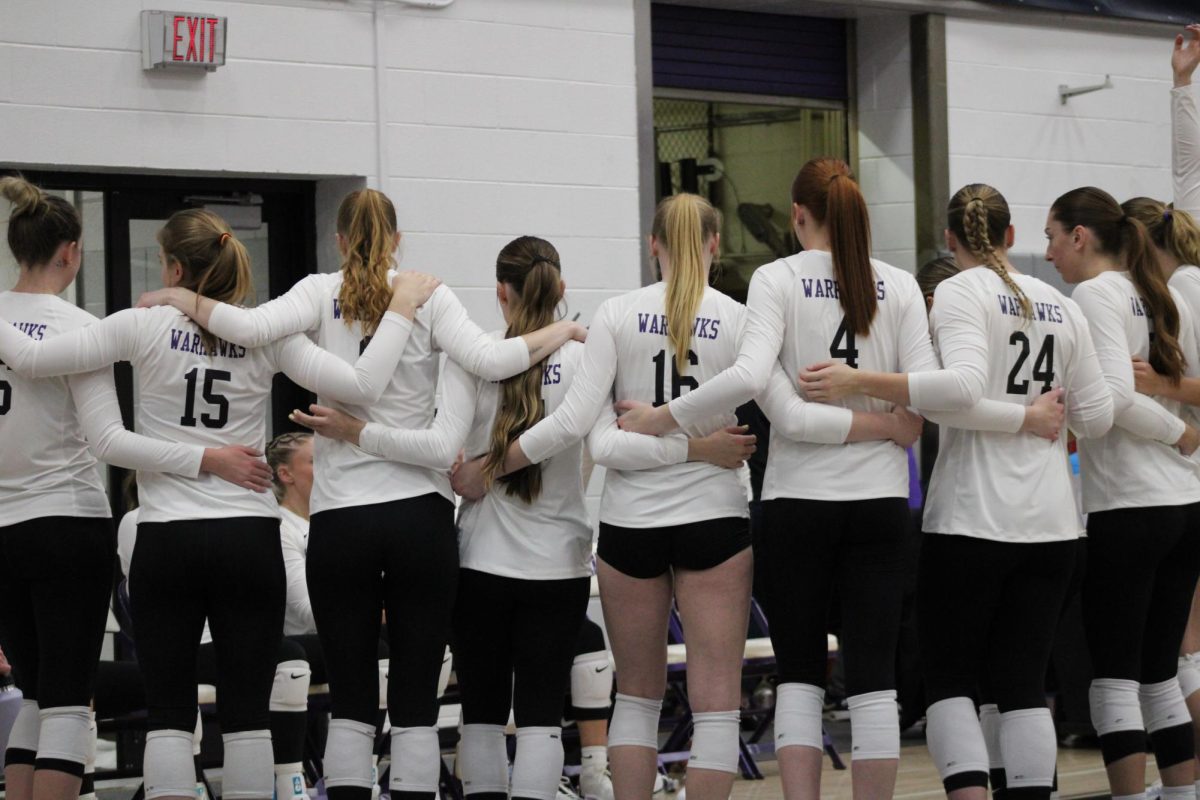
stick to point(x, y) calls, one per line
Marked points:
point(66, 255)
point(799, 215)
point(653, 246)
point(176, 271)
point(342, 245)
point(1010, 236)
point(928, 303)
point(562, 288)
point(285, 475)
point(951, 243)
point(501, 293)
point(396, 241)
point(714, 246)
point(1079, 236)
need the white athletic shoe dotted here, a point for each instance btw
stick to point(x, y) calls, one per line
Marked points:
point(664, 783)
point(565, 790)
point(596, 785)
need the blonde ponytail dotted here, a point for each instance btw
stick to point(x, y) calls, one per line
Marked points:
point(683, 224)
point(367, 221)
point(978, 216)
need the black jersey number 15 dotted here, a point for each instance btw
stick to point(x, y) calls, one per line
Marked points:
point(218, 401)
point(1043, 365)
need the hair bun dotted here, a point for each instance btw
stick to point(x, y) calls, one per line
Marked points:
point(24, 196)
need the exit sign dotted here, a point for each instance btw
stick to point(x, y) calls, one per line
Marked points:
point(182, 39)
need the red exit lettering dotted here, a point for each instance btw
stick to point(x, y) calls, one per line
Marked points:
point(201, 31)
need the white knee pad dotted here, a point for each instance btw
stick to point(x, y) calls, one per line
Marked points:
point(169, 770)
point(26, 729)
point(289, 692)
point(874, 726)
point(538, 764)
point(444, 675)
point(65, 734)
point(634, 722)
point(989, 723)
point(383, 683)
point(715, 740)
point(1029, 747)
point(483, 759)
point(1115, 706)
point(954, 737)
point(348, 749)
point(798, 708)
point(1162, 705)
point(1189, 673)
point(249, 772)
point(416, 760)
point(591, 680)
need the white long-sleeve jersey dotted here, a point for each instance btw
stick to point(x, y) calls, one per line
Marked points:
point(1135, 464)
point(293, 539)
point(54, 430)
point(345, 475)
point(1185, 163)
point(548, 539)
point(628, 356)
point(1013, 487)
point(796, 318)
point(192, 396)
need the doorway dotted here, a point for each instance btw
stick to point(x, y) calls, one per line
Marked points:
point(275, 219)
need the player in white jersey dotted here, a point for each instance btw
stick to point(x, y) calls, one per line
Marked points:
point(198, 389)
point(56, 539)
point(846, 496)
point(382, 532)
point(1176, 237)
point(1141, 493)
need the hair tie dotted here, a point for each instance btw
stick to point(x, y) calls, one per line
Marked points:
point(224, 237)
point(539, 259)
point(1167, 215)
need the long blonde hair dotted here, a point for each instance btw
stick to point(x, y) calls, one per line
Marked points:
point(367, 221)
point(1171, 229)
point(215, 262)
point(683, 223)
point(531, 267)
point(978, 216)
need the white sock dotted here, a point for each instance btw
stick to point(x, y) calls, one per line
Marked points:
point(1141, 796)
point(593, 759)
point(1178, 792)
point(289, 781)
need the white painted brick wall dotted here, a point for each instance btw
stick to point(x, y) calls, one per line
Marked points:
point(1007, 127)
point(885, 136)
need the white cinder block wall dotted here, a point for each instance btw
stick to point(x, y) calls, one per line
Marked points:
point(885, 136)
point(1008, 128)
point(503, 118)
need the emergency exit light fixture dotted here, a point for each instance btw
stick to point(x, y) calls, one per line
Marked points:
point(182, 40)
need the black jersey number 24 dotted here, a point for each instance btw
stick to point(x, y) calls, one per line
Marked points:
point(211, 396)
point(1043, 365)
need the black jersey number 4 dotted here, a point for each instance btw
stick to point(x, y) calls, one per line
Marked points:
point(843, 345)
point(1043, 365)
point(218, 401)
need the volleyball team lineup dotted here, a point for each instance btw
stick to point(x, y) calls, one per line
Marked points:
point(431, 525)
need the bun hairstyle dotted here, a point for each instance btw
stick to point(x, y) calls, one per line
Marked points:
point(366, 219)
point(215, 263)
point(39, 223)
point(1171, 229)
point(279, 454)
point(1121, 235)
point(826, 187)
point(933, 272)
point(682, 224)
point(530, 267)
point(978, 216)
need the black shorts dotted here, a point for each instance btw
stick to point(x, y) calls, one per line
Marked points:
point(650, 552)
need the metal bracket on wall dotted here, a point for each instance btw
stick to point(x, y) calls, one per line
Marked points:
point(1066, 92)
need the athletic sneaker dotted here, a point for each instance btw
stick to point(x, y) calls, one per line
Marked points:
point(565, 790)
point(596, 785)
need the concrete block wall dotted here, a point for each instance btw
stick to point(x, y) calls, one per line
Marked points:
point(885, 135)
point(1008, 128)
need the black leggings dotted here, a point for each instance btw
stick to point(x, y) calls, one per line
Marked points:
point(230, 571)
point(1143, 564)
point(514, 642)
point(57, 577)
point(400, 556)
point(986, 615)
point(812, 547)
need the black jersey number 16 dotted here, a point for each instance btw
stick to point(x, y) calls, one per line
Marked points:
point(677, 381)
point(1043, 365)
point(211, 396)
